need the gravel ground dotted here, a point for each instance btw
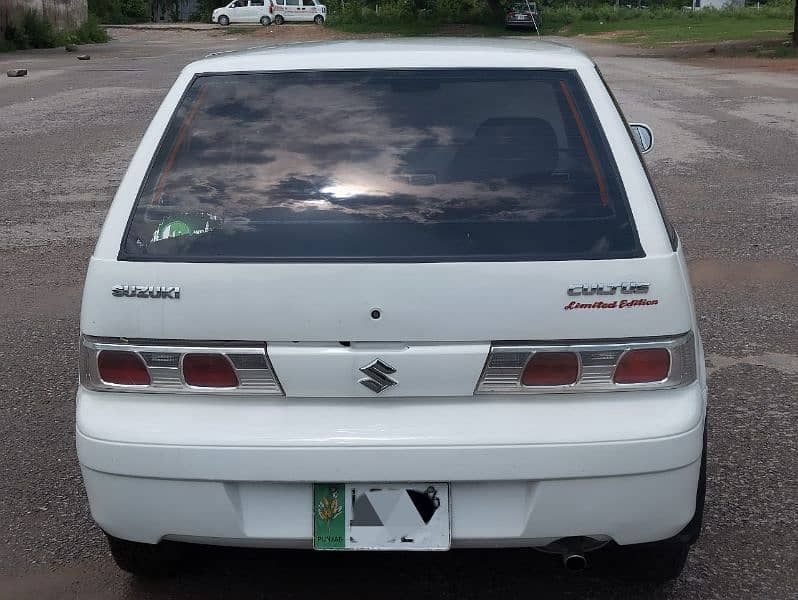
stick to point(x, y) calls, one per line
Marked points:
point(725, 164)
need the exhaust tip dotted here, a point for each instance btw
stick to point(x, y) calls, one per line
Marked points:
point(574, 562)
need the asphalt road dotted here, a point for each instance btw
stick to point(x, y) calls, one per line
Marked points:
point(726, 164)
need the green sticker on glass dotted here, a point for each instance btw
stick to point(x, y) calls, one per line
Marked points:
point(328, 516)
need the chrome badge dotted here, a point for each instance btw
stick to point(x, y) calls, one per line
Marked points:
point(377, 376)
point(608, 289)
point(146, 291)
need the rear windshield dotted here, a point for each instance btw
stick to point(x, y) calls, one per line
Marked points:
point(411, 165)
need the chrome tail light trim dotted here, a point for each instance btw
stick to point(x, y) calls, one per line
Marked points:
point(597, 362)
point(164, 363)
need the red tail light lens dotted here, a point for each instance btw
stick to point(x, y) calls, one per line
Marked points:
point(209, 370)
point(643, 366)
point(551, 368)
point(122, 368)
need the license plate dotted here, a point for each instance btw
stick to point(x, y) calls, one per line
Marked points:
point(381, 516)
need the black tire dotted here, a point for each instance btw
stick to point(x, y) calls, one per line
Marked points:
point(318, 20)
point(692, 531)
point(657, 562)
point(279, 20)
point(146, 560)
point(224, 20)
point(265, 21)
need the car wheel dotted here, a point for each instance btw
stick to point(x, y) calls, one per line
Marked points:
point(279, 20)
point(318, 20)
point(265, 21)
point(146, 560)
point(224, 21)
point(692, 530)
point(655, 562)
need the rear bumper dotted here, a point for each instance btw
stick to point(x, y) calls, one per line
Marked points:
point(628, 509)
point(523, 471)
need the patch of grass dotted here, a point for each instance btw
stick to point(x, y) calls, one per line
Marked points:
point(36, 32)
point(779, 52)
point(673, 30)
point(235, 30)
point(668, 26)
point(409, 28)
point(406, 17)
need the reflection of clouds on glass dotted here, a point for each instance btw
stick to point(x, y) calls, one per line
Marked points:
point(277, 157)
point(259, 151)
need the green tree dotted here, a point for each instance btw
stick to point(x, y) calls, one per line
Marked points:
point(498, 10)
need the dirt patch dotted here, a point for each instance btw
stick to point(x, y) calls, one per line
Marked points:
point(708, 272)
point(732, 54)
point(611, 35)
point(781, 65)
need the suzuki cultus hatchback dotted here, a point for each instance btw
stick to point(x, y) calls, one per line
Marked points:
point(440, 308)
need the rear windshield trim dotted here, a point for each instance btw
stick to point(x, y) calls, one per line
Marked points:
point(636, 252)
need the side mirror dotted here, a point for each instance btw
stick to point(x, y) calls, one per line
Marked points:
point(643, 136)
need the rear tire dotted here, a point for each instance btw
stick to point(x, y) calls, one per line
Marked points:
point(224, 21)
point(146, 560)
point(265, 21)
point(657, 562)
point(318, 20)
point(692, 531)
point(279, 20)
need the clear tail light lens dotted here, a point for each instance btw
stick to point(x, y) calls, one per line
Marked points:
point(195, 368)
point(209, 370)
point(536, 368)
point(551, 368)
point(644, 365)
point(122, 368)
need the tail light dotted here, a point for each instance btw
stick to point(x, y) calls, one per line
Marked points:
point(195, 368)
point(118, 367)
point(643, 365)
point(551, 368)
point(586, 367)
point(209, 371)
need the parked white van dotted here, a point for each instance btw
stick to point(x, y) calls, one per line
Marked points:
point(442, 309)
point(299, 10)
point(244, 11)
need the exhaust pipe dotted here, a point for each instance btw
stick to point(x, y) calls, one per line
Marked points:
point(573, 550)
point(574, 561)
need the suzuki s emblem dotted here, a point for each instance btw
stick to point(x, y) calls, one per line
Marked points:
point(377, 376)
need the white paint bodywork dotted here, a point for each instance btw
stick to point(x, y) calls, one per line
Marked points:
point(250, 13)
point(299, 11)
point(524, 470)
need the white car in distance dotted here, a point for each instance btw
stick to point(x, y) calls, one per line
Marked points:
point(299, 10)
point(442, 309)
point(244, 11)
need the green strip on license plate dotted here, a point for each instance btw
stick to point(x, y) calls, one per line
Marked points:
point(329, 516)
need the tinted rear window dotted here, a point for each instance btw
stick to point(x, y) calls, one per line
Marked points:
point(426, 165)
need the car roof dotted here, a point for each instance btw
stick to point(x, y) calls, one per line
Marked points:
point(398, 54)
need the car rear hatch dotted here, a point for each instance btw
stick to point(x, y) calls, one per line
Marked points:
point(389, 224)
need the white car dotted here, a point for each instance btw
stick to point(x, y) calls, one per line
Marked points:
point(299, 10)
point(441, 309)
point(244, 11)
